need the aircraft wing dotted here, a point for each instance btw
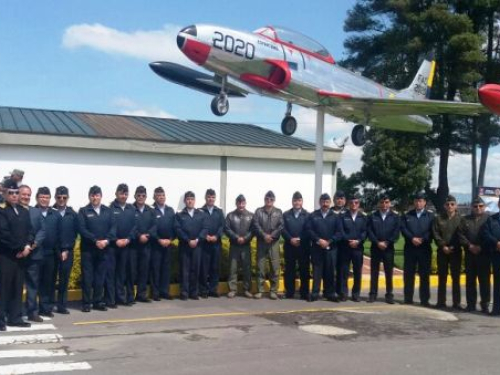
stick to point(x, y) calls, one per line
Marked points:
point(358, 109)
point(182, 75)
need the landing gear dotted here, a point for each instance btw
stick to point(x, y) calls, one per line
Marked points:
point(289, 123)
point(220, 103)
point(358, 135)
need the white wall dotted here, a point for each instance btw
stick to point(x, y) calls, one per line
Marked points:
point(254, 177)
point(80, 169)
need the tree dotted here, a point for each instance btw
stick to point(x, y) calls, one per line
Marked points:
point(398, 164)
point(387, 39)
point(349, 185)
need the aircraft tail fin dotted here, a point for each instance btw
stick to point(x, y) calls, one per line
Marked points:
point(420, 88)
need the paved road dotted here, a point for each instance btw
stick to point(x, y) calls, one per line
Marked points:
point(240, 336)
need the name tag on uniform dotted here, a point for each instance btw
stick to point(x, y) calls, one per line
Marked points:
point(90, 215)
point(117, 212)
point(158, 216)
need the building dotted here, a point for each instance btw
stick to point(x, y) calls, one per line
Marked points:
point(78, 150)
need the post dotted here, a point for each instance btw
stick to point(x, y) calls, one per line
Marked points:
point(318, 162)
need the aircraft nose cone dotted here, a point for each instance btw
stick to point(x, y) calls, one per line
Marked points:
point(156, 67)
point(180, 41)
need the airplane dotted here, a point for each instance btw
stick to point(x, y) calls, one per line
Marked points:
point(287, 65)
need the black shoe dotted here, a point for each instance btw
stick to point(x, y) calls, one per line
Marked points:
point(312, 298)
point(333, 299)
point(194, 297)
point(62, 310)
point(3, 327)
point(457, 307)
point(166, 296)
point(355, 299)
point(48, 314)
point(203, 295)
point(20, 323)
point(484, 309)
point(371, 299)
point(495, 313)
point(408, 302)
point(156, 299)
point(304, 297)
point(86, 309)
point(35, 318)
point(183, 298)
point(470, 308)
point(214, 294)
point(440, 306)
point(143, 300)
point(112, 306)
point(343, 298)
point(100, 307)
point(389, 300)
point(130, 303)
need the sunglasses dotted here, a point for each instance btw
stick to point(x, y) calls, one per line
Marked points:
point(478, 206)
point(354, 202)
point(141, 195)
point(62, 197)
point(13, 192)
point(450, 204)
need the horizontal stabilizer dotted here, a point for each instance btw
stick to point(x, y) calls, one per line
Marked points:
point(193, 79)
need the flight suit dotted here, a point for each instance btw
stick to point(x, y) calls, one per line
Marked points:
point(491, 237)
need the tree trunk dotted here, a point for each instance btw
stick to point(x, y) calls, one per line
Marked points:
point(485, 148)
point(474, 159)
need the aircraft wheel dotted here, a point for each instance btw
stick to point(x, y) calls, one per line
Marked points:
point(220, 105)
point(288, 125)
point(358, 135)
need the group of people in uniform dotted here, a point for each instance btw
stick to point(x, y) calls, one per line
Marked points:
point(125, 247)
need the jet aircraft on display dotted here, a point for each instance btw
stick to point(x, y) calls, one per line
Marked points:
point(287, 65)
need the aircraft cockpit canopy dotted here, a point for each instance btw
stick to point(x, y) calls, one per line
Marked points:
point(294, 38)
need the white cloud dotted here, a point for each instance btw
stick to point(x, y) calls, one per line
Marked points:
point(151, 45)
point(127, 106)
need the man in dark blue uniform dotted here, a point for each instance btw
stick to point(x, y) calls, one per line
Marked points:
point(325, 233)
point(69, 231)
point(354, 230)
point(416, 227)
point(491, 243)
point(297, 248)
point(145, 222)
point(120, 289)
point(339, 201)
point(16, 240)
point(383, 232)
point(97, 229)
point(50, 248)
point(35, 258)
point(161, 251)
point(211, 248)
point(191, 229)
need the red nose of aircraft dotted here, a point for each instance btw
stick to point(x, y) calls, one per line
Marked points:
point(489, 95)
point(189, 44)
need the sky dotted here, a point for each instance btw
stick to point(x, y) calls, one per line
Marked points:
point(92, 56)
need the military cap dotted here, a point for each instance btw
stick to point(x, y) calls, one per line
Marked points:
point(17, 172)
point(159, 190)
point(325, 197)
point(44, 190)
point(209, 192)
point(384, 197)
point(240, 198)
point(339, 194)
point(94, 190)
point(477, 200)
point(62, 190)
point(122, 188)
point(451, 198)
point(420, 195)
point(354, 196)
point(297, 195)
point(140, 190)
point(188, 194)
point(10, 185)
point(270, 194)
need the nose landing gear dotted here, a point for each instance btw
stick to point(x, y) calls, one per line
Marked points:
point(289, 123)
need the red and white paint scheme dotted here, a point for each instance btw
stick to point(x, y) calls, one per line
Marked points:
point(284, 64)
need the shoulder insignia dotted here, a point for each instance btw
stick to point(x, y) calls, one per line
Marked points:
point(3, 205)
point(363, 213)
point(395, 212)
point(431, 211)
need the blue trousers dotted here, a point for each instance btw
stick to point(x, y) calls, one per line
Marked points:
point(209, 267)
point(93, 263)
point(64, 272)
point(189, 269)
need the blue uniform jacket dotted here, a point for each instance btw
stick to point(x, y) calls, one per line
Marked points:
point(144, 223)
point(491, 233)
point(164, 228)
point(295, 227)
point(93, 227)
point(69, 229)
point(327, 228)
point(383, 230)
point(191, 228)
point(52, 242)
point(215, 222)
point(412, 226)
point(125, 220)
point(38, 224)
point(354, 229)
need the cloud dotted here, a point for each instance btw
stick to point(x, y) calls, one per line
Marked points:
point(127, 106)
point(151, 45)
